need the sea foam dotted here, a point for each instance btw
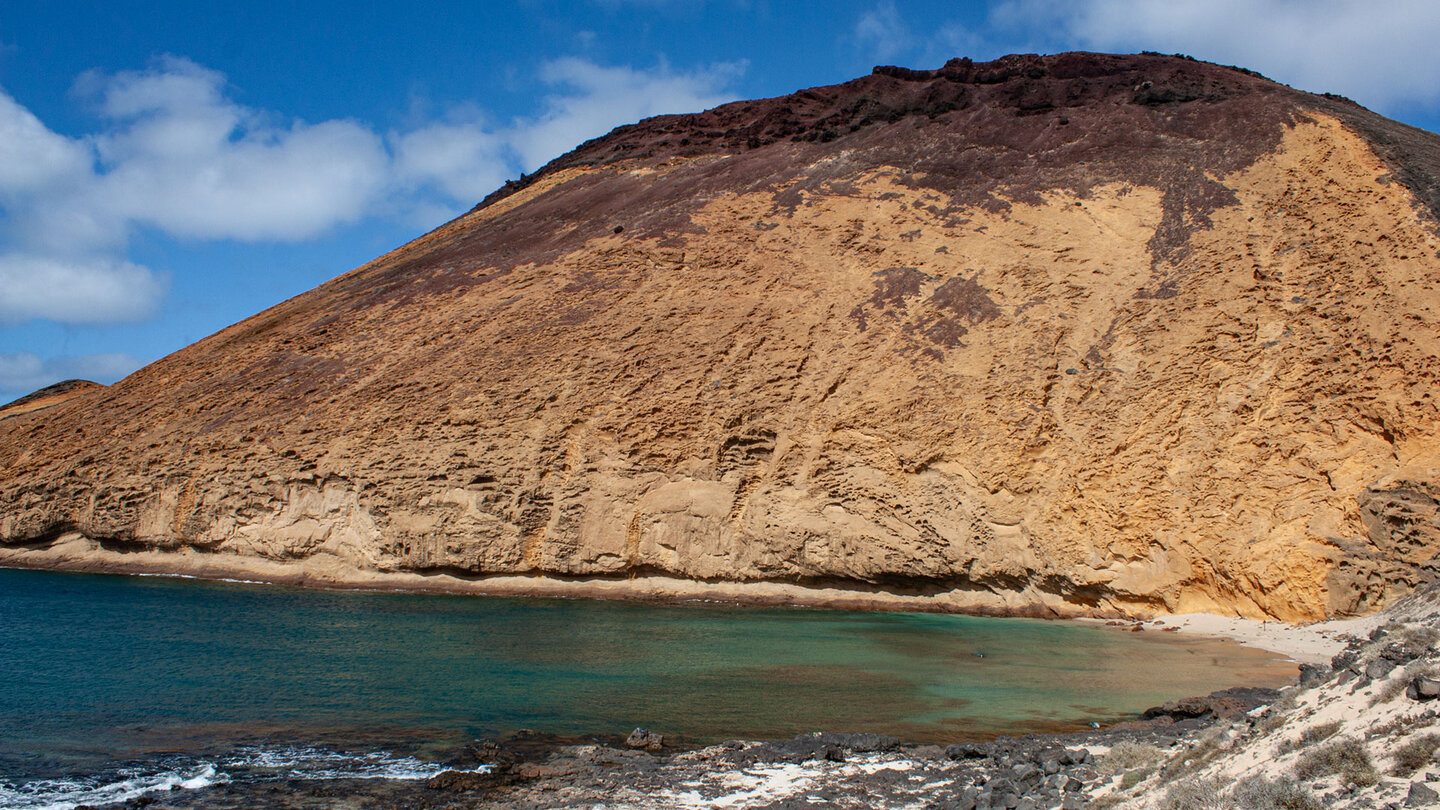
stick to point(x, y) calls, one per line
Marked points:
point(248, 764)
point(115, 787)
point(304, 762)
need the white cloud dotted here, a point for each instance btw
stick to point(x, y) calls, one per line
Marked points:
point(882, 32)
point(1382, 54)
point(175, 154)
point(23, 372)
point(464, 161)
point(282, 186)
point(184, 159)
point(92, 290)
point(33, 157)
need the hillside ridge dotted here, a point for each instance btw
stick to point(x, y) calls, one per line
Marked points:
point(1069, 334)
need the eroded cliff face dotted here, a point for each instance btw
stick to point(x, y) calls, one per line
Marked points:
point(1097, 334)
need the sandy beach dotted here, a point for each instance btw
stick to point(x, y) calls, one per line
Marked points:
point(1314, 643)
point(1310, 643)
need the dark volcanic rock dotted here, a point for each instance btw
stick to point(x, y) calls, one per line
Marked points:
point(1421, 795)
point(643, 738)
point(969, 750)
point(1226, 704)
point(1423, 688)
point(466, 781)
point(860, 743)
point(800, 749)
point(494, 754)
point(1313, 674)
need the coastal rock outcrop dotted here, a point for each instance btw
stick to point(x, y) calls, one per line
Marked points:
point(1065, 334)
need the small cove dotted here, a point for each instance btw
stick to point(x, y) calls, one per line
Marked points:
point(99, 673)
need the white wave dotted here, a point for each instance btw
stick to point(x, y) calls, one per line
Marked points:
point(303, 762)
point(112, 788)
point(169, 575)
point(245, 765)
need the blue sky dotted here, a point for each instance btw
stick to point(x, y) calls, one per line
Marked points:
point(169, 168)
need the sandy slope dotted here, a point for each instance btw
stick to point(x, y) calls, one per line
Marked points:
point(1362, 708)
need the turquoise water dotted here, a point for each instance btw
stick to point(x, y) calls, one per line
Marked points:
point(98, 670)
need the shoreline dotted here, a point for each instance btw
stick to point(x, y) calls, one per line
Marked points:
point(1224, 747)
point(1230, 737)
point(1312, 643)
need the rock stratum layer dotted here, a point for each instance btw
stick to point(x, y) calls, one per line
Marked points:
point(1072, 334)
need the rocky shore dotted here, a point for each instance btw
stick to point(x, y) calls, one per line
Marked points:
point(810, 770)
point(824, 770)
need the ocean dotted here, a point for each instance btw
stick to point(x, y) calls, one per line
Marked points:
point(112, 687)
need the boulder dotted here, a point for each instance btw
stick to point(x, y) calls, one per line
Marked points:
point(860, 743)
point(532, 770)
point(802, 748)
point(1312, 674)
point(1423, 688)
point(1379, 668)
point(468, 781)
point(969, 750)
point(1227, 704)
point(1344, 659)
point(489, 752)
point(646, 739)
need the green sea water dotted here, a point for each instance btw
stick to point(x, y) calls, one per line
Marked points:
point(96, 670)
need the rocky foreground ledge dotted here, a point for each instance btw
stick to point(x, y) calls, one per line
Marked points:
point(1358, 732)
point(811, 770)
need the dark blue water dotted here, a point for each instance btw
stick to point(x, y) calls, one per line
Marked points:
point(104, 672)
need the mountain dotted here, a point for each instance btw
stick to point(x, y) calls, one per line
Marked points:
point(48, 396)
point(1061, 334)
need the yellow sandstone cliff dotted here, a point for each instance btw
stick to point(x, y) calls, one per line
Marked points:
point(1071, 334)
